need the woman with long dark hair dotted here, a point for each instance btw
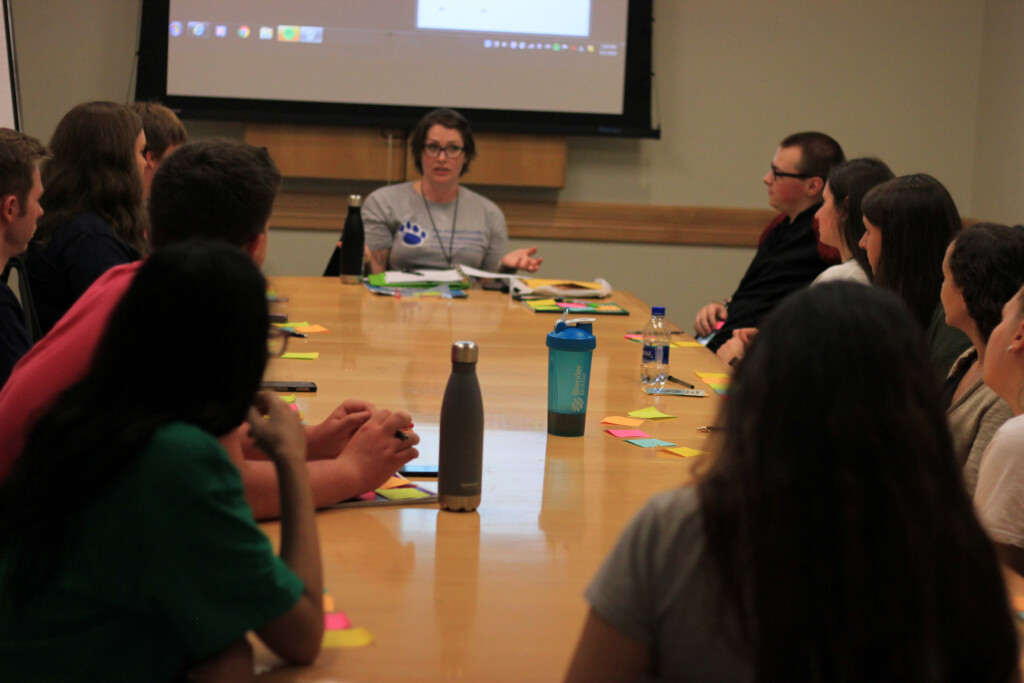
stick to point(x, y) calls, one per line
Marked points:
point(92, 197)
point(983, 269)
point(831, 539)
point(908, 223)
point(840, 221)
point(127, 550)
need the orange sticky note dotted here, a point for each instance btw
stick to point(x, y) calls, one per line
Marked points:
point(624, 421)
point(307, 329)
point(328, 603)
point(394, 482)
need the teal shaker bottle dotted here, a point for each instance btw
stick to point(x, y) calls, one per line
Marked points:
point(570, 349)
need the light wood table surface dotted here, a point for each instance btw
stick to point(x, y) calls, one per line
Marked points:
point(494, 595)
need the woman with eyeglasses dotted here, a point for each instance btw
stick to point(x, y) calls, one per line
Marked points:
point(433, 222)
point(127, 548)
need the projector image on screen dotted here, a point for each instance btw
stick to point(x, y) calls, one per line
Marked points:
point(530, 63)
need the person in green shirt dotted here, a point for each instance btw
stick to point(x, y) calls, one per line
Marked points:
point(127, 549)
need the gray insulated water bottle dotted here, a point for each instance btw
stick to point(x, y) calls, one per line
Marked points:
point(462, 434)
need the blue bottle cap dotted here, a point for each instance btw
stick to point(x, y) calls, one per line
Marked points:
point(657, 310)
point(573, 335)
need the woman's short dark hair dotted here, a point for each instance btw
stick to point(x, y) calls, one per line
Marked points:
point(187, 342)
point(987, 264)
point(849, 182)
point(94, 168)
point(836, 488)
point(449, 118)
point(918, 219)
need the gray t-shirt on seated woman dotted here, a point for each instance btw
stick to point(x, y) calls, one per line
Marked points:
point(658, 587)
point(396, 218)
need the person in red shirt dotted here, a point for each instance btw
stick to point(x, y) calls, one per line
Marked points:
point(220, 190)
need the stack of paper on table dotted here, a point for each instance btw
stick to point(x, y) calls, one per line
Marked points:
point(561, 288)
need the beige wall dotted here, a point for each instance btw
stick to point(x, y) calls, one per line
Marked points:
point(999, 155)
point(928, 85)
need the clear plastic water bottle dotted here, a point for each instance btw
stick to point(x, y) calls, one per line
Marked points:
point(657, 338)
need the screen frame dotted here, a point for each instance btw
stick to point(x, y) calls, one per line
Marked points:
point(634, 122)
point(12, 66)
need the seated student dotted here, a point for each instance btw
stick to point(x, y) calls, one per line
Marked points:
point(983, 269)
point(95, 218)
point(127, 551)
point(908, 224)
point(789, 254)
point(220, 190)
point(419, 224)
point(842, 497)
point(20, 190)
point(999, 496)
point(164, 133)
point(840, 223)
point(840, 220)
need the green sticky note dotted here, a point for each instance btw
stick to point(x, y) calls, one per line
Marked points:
point(402, 494)
point(650, 413)
point(301, 356)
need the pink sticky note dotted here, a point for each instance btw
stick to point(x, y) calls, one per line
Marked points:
point(628, 433)
point(336, 622)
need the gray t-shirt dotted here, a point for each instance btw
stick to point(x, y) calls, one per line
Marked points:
point(396, 218)
point(658, 587)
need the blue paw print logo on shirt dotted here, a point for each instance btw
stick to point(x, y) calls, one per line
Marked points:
point(412, 234)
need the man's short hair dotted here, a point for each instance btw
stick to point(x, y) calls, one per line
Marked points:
point(819, 153)
point(214, 189)
point(19, 154)
point(449, 118)
point(163, 128)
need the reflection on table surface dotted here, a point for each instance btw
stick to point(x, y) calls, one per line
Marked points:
point(495, 594)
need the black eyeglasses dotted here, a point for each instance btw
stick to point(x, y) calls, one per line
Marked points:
point(433, 150)
point(277, 342)
point(776, 174)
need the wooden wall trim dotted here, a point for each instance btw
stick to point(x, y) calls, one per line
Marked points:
point(588, 221)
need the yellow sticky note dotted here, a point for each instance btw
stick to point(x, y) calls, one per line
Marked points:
point(534, 283)
point(288, 398)
point(650, 413)
point(293, 325)
point(328, 603)
point(402, 494)
point(350, 637)
point(394, 482)
point(686, 344)
point(712, 375)
point(301, 356)
point(624, 421)
point(683, 451)
point(308, 329)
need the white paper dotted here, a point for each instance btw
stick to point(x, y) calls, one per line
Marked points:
point(395, 277)
point(476, 272)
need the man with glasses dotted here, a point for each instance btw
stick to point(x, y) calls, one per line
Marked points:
point(789, 255)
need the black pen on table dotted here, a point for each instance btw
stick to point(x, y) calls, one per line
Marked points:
point(679, 381)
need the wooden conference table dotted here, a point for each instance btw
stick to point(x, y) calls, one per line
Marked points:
point(495, 594)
